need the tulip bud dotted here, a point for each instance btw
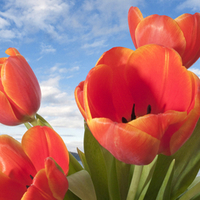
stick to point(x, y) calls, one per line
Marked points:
point(20, 93)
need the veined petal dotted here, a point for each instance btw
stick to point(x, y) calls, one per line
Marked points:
point(78, 93)
point(50, 145)
point(190, 26)
point(187, 127)
point(126, 142)
point(39, 189)
point(134, 18)
point(161, 30)
point(14, 162)
point(12, 52)
point(10, 189)
point(7, 115)
point(27, 90)
point(58, 182)
point(155, 70)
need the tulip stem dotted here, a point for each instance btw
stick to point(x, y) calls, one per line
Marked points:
point(134, 182)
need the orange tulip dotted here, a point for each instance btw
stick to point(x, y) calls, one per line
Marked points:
point(20, 93)
point(28, 170)
point(181, 34)
point(140, 103)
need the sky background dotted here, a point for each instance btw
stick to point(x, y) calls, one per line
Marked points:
point(63, 39)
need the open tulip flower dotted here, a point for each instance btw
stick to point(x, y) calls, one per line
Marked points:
point(20, 93)
point(181, 34)
point(141, 103)
point(30, 170)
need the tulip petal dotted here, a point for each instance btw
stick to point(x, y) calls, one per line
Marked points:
point(108, 94)
point(42, 142)
point(151, 76)
point(78, 93)
point(190, 26)
point(185, 131)
point(125, 142)
point(134, 18)
point(27, 90)
point(10, 189)
point(39, 188)
point(161, 30)
point(14, 162)
point(12, 51)
point(7, 115)
point(57, 180)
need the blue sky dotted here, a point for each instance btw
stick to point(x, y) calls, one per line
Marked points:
point(63, 39)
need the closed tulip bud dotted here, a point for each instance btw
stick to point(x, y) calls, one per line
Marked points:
point(20, 93)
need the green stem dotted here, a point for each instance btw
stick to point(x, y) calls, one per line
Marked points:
point(134, 182)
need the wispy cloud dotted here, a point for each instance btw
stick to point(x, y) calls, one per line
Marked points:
point(59, 107)
point(192, 4)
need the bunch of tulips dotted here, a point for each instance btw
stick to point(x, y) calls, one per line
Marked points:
point(141, 110)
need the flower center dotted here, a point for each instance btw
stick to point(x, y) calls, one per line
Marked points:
point(133, 116)
point(27, 186)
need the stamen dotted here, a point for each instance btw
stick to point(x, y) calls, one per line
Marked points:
point(27, 186)
point(148, 109)
point(124, 120)
point(31, 177)
point(133, 116)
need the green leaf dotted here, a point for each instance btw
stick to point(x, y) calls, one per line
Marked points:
point(70, 196)
point(83, 160)
point(145, 179)
point(74, 165)
point(96, 164)
point(81, 185)
point(164, 192)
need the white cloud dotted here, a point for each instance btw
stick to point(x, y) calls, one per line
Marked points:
point(58, 107)
point(193, 4)
point(66, 21)
point(195, 70)
point(45, 49)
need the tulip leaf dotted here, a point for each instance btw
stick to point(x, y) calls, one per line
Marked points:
point(70, 196)
point(113, 186)
point(83, 160)
point(96, 164)
point(74, 165)
point(164, 192)
point(145, 179)
point(81, 185)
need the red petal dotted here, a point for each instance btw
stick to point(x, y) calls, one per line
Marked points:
point(190, 26)
point(177, 135)
point(107, 92)
point(7, 115)
point(161, 30)
point(134, 18)
point(39, 189)
point(26, 93)
point(78, 93)
point(57, 180)
point(42, 142)
point(14, 162)
point(152, 72)
point(10, 189)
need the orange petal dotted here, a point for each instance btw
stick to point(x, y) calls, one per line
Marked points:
point(185, 131)
point(78, 93)
point(20, 84)
point(39, 189)
point(42, 142)
point(10, 189)
point(14, 162)
point(107, 92)
point(190, 26)
point(12, 52)
point(152, 72)
point(126, 142)
point(161, 30)
point(134, 18)
point(57, 180)
point(7, 115)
